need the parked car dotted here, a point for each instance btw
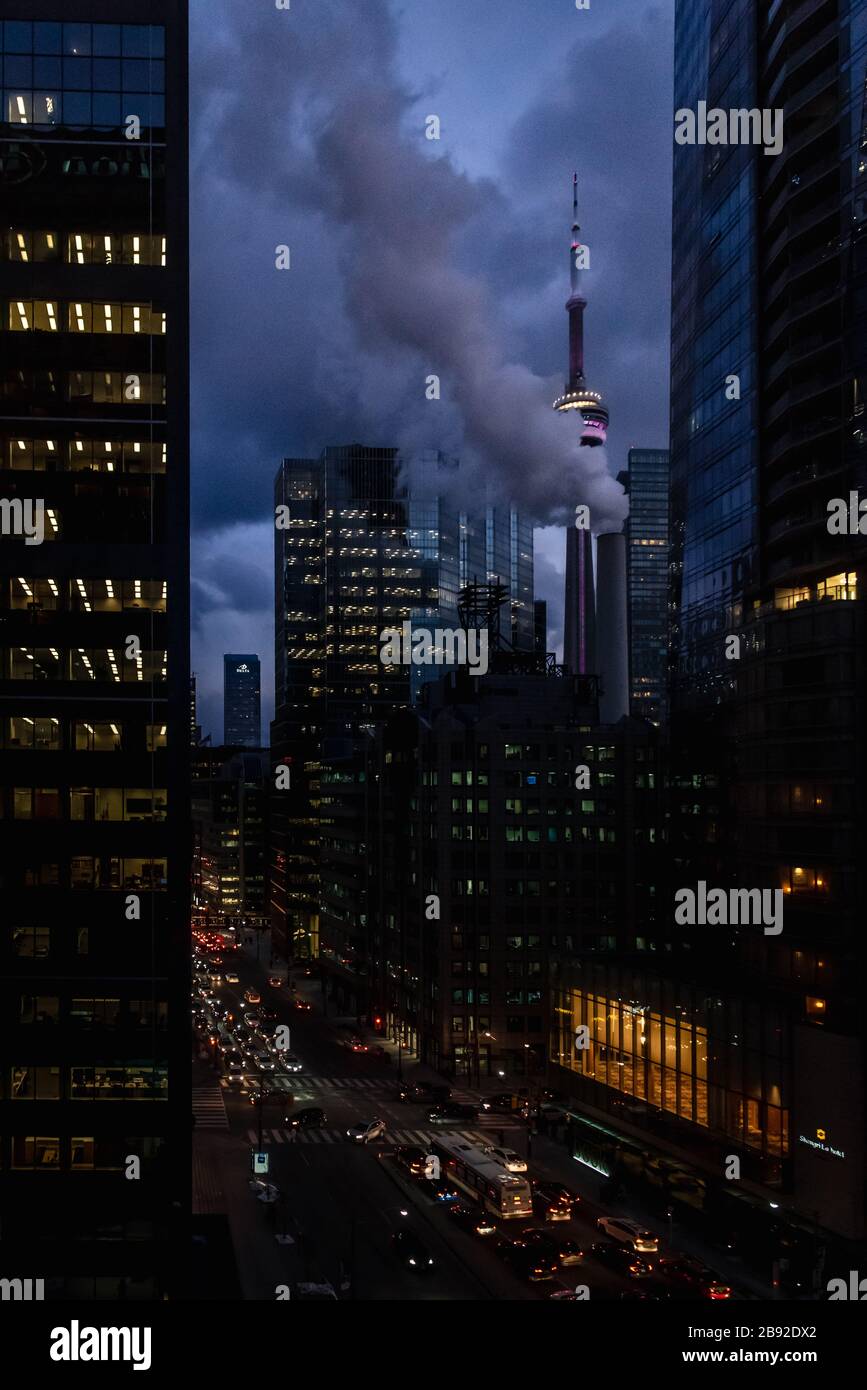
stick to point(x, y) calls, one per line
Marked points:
point(363, 1134)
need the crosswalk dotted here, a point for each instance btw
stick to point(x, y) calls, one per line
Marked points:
point(208, 1107)
point(392, 1137)
point(300, 1081)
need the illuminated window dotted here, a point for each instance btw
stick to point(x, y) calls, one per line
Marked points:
point(815, 1009)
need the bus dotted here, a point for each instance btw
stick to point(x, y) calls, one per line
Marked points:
point(501, 1193)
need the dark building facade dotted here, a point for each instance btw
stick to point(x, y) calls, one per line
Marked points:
point(230, 794)
point(242, 700)
point(460, 862)
point(94, 638)
point(647, 554)
point(767, 603)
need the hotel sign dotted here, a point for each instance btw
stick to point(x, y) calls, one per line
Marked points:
point(821, 1145)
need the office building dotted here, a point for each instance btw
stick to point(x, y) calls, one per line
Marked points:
point(230, 794)
point(646, 481)
point(242, 700)
point(362, 552)
point(94, 667)
point(718, 1042)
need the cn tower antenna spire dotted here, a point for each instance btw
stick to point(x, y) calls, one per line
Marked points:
point(573, 249)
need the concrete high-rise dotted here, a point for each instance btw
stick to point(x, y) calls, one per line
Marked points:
point(94, 664)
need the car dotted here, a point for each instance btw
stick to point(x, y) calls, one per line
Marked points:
point(234, 1067)
point(251, 1020)
point(412, 1252)
point(531, 1265)
point(232, 978)
point(311, 1118)
point(264, 1061)
point(424, 1092)
point(565, 1252)
point(642, 1241)
point(443, 1191)
point(257, 1091)
point(450, 1111)
point(553, 1201)
point(276, 981)
point(252, 996)
point(411, 1158)
point(504, 1103)
point(289, 1062)
point(473, 1219)
point(691, 1276)
point(363, 1134)
point(302, 1006)
point(511, 1161)
point(619, 1258)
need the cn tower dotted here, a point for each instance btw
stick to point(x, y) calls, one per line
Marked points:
point(579, 637)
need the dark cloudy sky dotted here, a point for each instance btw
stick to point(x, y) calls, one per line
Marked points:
point(411, 256)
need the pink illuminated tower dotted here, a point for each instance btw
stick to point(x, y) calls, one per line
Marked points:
point(579, 638)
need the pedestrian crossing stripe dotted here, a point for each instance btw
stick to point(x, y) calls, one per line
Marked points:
point(392, 1137)
point(209, 1108)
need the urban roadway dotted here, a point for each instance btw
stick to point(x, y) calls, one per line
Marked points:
point(342, 1202)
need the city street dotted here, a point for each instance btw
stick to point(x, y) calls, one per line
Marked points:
point(341, 1202)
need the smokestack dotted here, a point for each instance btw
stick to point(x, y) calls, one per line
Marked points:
point(611, 643)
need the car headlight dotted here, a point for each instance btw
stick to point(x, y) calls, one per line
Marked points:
point(412, 1261)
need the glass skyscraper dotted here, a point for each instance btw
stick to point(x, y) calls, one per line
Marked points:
point(768, 690)
point(242, 700)
point(646, 529)
point(94, 667)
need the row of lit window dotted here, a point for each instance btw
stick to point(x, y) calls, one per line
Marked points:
point(109, 873)
point(85, 248)
point(85, 455)
point(85, 316)
point(76, 664)
point(92, 1013)
point(97, 1081)
point(84, 803)
point(48, 734)
point(87, 595)
point(82, 108)
point(98, 388)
